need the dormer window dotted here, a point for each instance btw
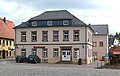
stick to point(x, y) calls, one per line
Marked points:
point(65, 22)
point(49, 23)
point(34, 23)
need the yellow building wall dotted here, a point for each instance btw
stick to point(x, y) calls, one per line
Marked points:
point(7, 48)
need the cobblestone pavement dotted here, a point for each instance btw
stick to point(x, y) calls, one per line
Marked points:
point(9, 68)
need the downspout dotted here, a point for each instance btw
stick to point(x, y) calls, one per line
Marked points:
point(15, 45)
point(85, 44)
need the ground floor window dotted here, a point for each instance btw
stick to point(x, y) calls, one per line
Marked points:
point(55, 52)
point(76, 52)
point(23, 52)
point(45, 53)
point(0, 53)
point(34, 51)
point(10, 53)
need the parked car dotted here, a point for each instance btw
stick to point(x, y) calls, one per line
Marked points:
point(21, 59)
point(33, 59)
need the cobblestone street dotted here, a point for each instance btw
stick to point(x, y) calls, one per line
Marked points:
point(10, 68)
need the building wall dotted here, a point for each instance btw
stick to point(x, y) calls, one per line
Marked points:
point(101, 51)
point(82, 44)
point(8, 48)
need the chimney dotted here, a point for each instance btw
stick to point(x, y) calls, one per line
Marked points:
point(4, 19)
point(89, 24)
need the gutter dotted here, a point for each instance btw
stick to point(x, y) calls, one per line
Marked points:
point(86, 44)
point(15, 44)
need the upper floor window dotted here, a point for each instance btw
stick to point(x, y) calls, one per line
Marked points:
point(10, 43)
point(34, 51)
point(3, 41)
point(34, 36)
point(49, 23)
point(65, 22)
point(76, 35)
point(65, 35)
point(44, 35)
point(7, 43)
point(100, 44)
point(94, 44)
point(0, 42)
point(23, 36)
point(55, 36)
point(34, 23)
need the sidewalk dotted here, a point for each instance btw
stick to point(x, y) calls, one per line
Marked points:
point(8, 59)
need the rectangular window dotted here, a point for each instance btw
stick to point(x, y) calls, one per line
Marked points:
point(76, 53)
point(94, 44)
point(65, 22)
point(49, 23)
point(23, 52)
point(65, 35)
point(55, 52)
point(7, 43)
point(76, 35)
point(45, 53)
point(34, 23)
point(0, 42)
point(44, 36)
point(55, 36)
point(100, 44)
point(34, 36)
point(10, 43)
point(34, 51)
point(23, 36)
point(4, 42)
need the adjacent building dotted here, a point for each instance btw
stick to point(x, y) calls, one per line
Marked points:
point(6, 39)
point(56, 37)
point(113, 42)
point(100, 41)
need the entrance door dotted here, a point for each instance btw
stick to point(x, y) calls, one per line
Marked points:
point(3, 54)
point(66, 55)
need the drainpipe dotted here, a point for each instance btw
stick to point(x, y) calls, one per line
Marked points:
point(85, 44)
point(15, 44)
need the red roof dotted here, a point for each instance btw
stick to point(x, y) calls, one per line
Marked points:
point(6, 29)
point(115, 50)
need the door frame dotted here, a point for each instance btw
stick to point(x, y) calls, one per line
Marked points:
point(66, 52)
point(63, 48)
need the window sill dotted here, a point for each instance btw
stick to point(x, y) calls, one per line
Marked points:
point(65, 40)
point(33, 41)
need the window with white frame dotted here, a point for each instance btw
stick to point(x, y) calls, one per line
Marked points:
point(23, 52)
point(55, 36)
point(45, 52)
point(45, 36)
point(76, 35)
point(94, 44)
point(65, 22)
point(34, 23)
point(65, 35)
point(76, 52)
point(34, 51)
point(49, 23)
point(34, 36)
point(55, 52)
point(23, 36)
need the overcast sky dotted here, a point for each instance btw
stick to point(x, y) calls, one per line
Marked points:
point(89, 11)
